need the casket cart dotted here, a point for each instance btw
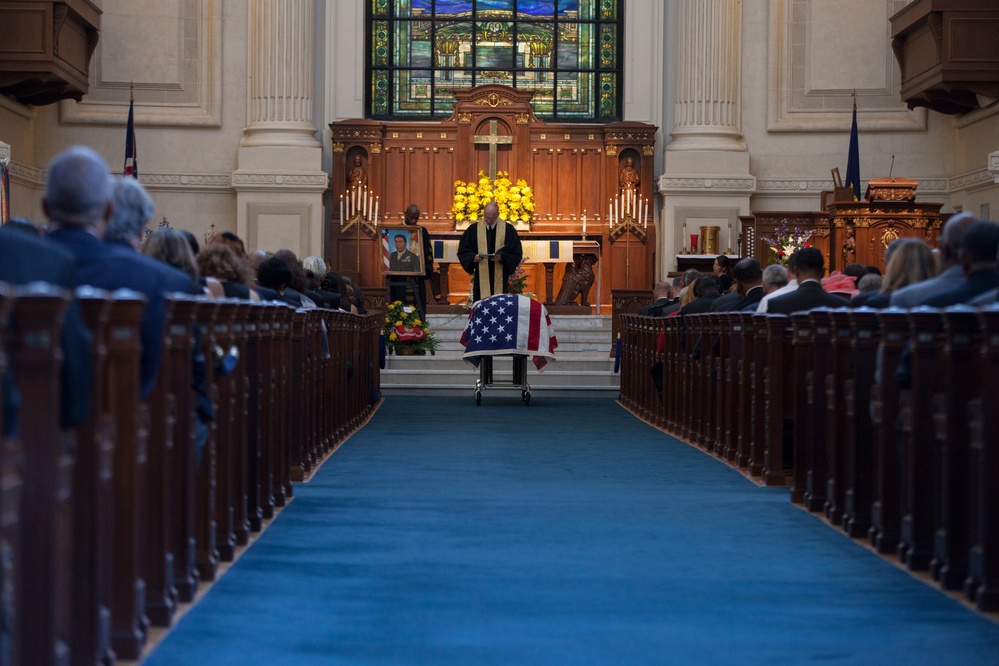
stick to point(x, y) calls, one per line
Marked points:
point(487, 378)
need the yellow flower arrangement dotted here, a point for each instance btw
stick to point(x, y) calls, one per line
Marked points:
point(405, 329)
point(515, 200)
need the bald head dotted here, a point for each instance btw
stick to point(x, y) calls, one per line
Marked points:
point(952, 235)
point(78, 189)
point(491, 212)
point(412, 214)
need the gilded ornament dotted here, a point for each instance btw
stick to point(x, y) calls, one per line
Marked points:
point(337, 147)
point(648, 150)
point(612, 150)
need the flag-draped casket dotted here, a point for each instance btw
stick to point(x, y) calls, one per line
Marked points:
point(509, 324)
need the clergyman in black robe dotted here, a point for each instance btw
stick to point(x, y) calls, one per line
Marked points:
point(490, 251)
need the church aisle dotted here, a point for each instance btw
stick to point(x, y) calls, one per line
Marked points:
point(564, 533)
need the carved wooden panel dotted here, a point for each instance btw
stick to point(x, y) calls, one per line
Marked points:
point(45, 49)
point(570, 168)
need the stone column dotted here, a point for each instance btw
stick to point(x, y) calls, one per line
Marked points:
point(280, 181)
point(707, 75)
point(280, 71)
point(706, 179)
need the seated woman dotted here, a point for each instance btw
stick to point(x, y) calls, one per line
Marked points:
point(722, 269)
point(907, 261)
point(173, 247)
point(220, 261)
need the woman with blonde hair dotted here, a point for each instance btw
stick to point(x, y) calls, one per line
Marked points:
point(907, 261)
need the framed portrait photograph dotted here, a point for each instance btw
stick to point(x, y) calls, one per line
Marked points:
point(402, 250)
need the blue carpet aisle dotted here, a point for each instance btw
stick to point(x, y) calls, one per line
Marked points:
point(564, 533)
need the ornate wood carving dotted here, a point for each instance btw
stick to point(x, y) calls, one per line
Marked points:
point(47, 47)
point(571, 168)
point(947, 53)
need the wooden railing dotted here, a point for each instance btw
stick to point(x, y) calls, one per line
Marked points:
point(815, 401)
point(106, 529)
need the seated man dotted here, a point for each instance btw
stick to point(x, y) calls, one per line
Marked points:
point(28, 258)
point(79, 201)
point(663, 293)
point(809, 268)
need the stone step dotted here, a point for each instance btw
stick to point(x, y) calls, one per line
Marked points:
point(583, 364)
point(447, 373)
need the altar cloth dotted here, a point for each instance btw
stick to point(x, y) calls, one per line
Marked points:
point(507, 324)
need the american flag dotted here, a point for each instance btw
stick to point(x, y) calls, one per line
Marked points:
point(509, 324)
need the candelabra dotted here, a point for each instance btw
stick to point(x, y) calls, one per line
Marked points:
point(627, 214)
point(359, 209)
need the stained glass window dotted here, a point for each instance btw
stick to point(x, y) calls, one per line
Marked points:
point(566, 51)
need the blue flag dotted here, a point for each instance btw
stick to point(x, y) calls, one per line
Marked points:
point(853, 160)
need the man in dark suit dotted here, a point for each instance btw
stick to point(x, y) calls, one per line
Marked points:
point(664, 297)
point(79, 201)
point(810, 267)
point(28, 258)
point(979, 246)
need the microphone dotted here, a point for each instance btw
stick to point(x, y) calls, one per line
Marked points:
point(892, 168)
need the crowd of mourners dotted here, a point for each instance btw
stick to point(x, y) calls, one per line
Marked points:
point(964, 270)
point(95, 234)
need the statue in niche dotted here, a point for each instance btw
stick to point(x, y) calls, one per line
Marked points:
point(850, 247)
point(628, 178)
point(358, 176)
point(578, 279)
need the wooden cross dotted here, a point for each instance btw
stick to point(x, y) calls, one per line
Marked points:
point(493, 140)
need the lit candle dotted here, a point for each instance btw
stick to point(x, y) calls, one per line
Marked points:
point(376, 211)
point(584, 221)
point(610, 215)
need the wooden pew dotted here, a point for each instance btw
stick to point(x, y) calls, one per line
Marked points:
point(92, 491)
point(919, 481)
point(779, 390)
point(268, 410)
point(255, 420)
point(757, 377)
point(838, 429)
point(860, 441)
point(744, 381)
point(961, 353)
point(157, 563)
point(241, 389)
point(886, 516)
point(182, 475)
point(206, 549)
point(723, 393)
point(282, 488)
point(300, 454)
point(803, 352)
point(11, 487)
point(226, 446)
point(130, 419)
point(982, 583)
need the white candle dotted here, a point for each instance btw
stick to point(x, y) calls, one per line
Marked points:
point(376, 211)
point(341, 210)
point(610, 215)
point(584, 221)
